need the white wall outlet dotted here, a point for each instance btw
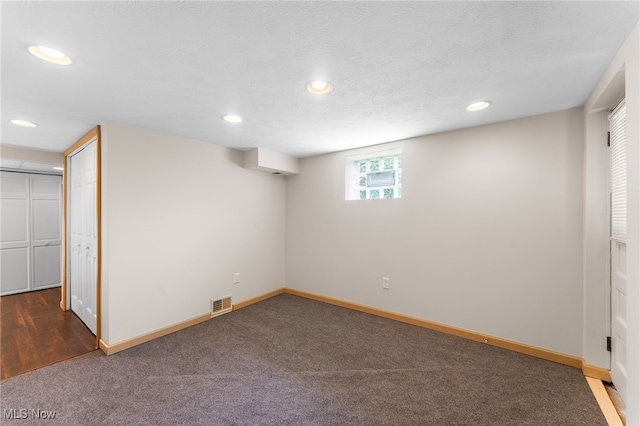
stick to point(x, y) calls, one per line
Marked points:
point(385, 283)
point(236, 278)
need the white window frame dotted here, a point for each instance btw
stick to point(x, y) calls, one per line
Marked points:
point(354, 176)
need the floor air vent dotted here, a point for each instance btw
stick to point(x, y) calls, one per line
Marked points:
point(221, 306)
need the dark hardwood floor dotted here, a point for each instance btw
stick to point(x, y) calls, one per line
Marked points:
point(35, 332)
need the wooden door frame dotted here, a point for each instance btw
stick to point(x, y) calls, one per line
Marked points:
point(93, 133)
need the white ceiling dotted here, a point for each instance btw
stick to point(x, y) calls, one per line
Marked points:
point(400, 69)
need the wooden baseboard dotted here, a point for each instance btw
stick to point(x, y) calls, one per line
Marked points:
point(247, 302)
point(117, 347)
point(593, 375)
point(573, 361)
point(596, 372)
point(549, 355)
point(604, 401)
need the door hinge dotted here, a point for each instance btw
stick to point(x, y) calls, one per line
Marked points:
point(608, 138)
point(609, 343)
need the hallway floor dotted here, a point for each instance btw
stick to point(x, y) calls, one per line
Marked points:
point(35, 332)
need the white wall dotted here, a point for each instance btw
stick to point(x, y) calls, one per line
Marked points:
point(179, 218)
point(32, 155)
point(597, 294)
point(626, 64)
point(487, 236)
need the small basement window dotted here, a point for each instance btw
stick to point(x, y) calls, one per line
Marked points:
point(374, 176)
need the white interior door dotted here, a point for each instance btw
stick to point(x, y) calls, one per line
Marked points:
point(15, 275)
point(82, 228)
point(618, 125)
point(46, 227)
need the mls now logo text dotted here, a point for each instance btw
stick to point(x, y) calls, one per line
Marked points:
point(23, 413)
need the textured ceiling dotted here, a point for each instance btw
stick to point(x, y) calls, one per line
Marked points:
point(400, 69)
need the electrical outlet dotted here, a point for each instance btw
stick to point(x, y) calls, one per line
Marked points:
point(385, 283)
point(236, 278)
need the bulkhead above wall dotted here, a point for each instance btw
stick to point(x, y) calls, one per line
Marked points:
point(15, 158)
point(272, 162)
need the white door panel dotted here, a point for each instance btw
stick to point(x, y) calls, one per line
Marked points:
point(46, 266)
point(46, 220)
point(14, 273)
point(14, 233)
point(14, 184)
point(619, 316)
point(45, 185)
point(46, 231)
point(15, 220)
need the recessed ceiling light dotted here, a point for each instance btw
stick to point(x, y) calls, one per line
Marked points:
point(477, 106)
point(24, 123)
point(232, 118)
point(319, 87)
point(50, 55)
point(58, 168)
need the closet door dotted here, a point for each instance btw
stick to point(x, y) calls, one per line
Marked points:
point(83, 233)
point(46, 231)
point(14, 233)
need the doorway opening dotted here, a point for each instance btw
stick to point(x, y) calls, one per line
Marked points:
point(34, 332)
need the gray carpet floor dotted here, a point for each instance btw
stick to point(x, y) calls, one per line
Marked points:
point(293, 361)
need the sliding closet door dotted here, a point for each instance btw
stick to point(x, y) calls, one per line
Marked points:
point(14, 233)
point(30, 236)
point(46, 241)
